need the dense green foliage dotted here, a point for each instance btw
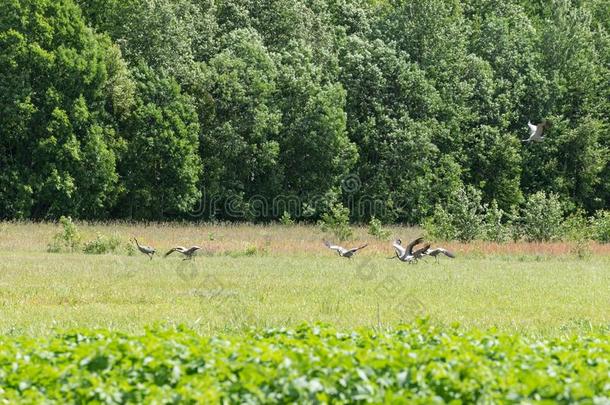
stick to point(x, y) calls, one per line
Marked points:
point(236, 109)
point(413, 364)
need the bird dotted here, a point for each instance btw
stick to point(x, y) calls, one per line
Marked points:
point(188, 253)
point(343, 252)
point(536, 131)
point(407, 254)
point(437, 251)
point(147, 250)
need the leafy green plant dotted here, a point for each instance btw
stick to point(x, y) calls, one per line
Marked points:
point(251, 250)
point(576, 230)
point(337, 222)
point(67, 240)
point(286, 219)
point(541, 217)
point(439, 226)
point(415, 363)
point(495, 226)
point(601, 226)
point(102, 244)
point(376, 229)
point(461, 218)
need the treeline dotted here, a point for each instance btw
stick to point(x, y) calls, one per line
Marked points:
point(160, 109)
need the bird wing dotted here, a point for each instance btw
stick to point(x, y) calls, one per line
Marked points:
point(400, 251)
point(358, 248)
point(193, 249)
point(447, 253)
point(419, 252)
point(170, 252)
point(412, 244)
point(337, 248)
point(180, 249)
point(433, 252)
point(532, 127)
point(149, 249)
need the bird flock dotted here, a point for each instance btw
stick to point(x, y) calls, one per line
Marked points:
point(150, 251)
point(407, 254)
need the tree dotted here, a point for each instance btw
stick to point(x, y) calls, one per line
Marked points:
point(240, 149)
point(57, 145)
point(161, 168)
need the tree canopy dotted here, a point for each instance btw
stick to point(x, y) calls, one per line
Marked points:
point(233, 109)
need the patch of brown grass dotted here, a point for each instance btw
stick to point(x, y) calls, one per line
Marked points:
point(227, 238)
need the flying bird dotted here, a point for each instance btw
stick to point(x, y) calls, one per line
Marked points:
point(436, 252)
point(408, 254)
point(188, 253)
point(536, 131)
point(147, 250)
point(343, 252)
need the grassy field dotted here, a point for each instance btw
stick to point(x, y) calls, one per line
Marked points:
point(282, 276)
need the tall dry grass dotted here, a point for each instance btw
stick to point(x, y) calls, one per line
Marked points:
point(224, 238)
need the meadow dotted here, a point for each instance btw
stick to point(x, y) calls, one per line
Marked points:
point(282, 276)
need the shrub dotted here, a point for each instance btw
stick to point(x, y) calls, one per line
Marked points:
point(285, 219)
point(576, 230)
point(67, 240)
point(601, 226)
point(440, 225)
point(337, 222)
point(102, 244)
point(461, 219)
point(542, 217)
point(376, 229)
point(495, 229)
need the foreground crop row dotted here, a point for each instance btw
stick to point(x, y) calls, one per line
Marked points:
point(415, 363)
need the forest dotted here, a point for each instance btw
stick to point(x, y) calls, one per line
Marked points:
point(258, 109)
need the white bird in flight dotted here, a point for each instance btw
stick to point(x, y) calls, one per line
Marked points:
point(343, 252)
point(536, 131)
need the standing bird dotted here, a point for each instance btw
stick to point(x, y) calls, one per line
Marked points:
point(536, 131)
point(437, 251)
point(343, 252)
point(188, 253)
point(147, 250)
point(407, 254)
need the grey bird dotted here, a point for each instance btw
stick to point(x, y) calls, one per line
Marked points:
point(188, 253)
point(408, 254)
point(147, 250)
point(537, 131)
point(343, 252)
point(436, 252)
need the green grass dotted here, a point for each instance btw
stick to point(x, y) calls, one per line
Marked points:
point(281, 285)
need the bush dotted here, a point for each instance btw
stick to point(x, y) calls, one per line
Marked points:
point(337, 222)
point(542, 217)
point(440, 225)
point(286, 220)
point(601, 226)
point(495, 229)
point(461, 219)
point(376, 229)
point(102, 244)
point(575, 229)
point(68, 240)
